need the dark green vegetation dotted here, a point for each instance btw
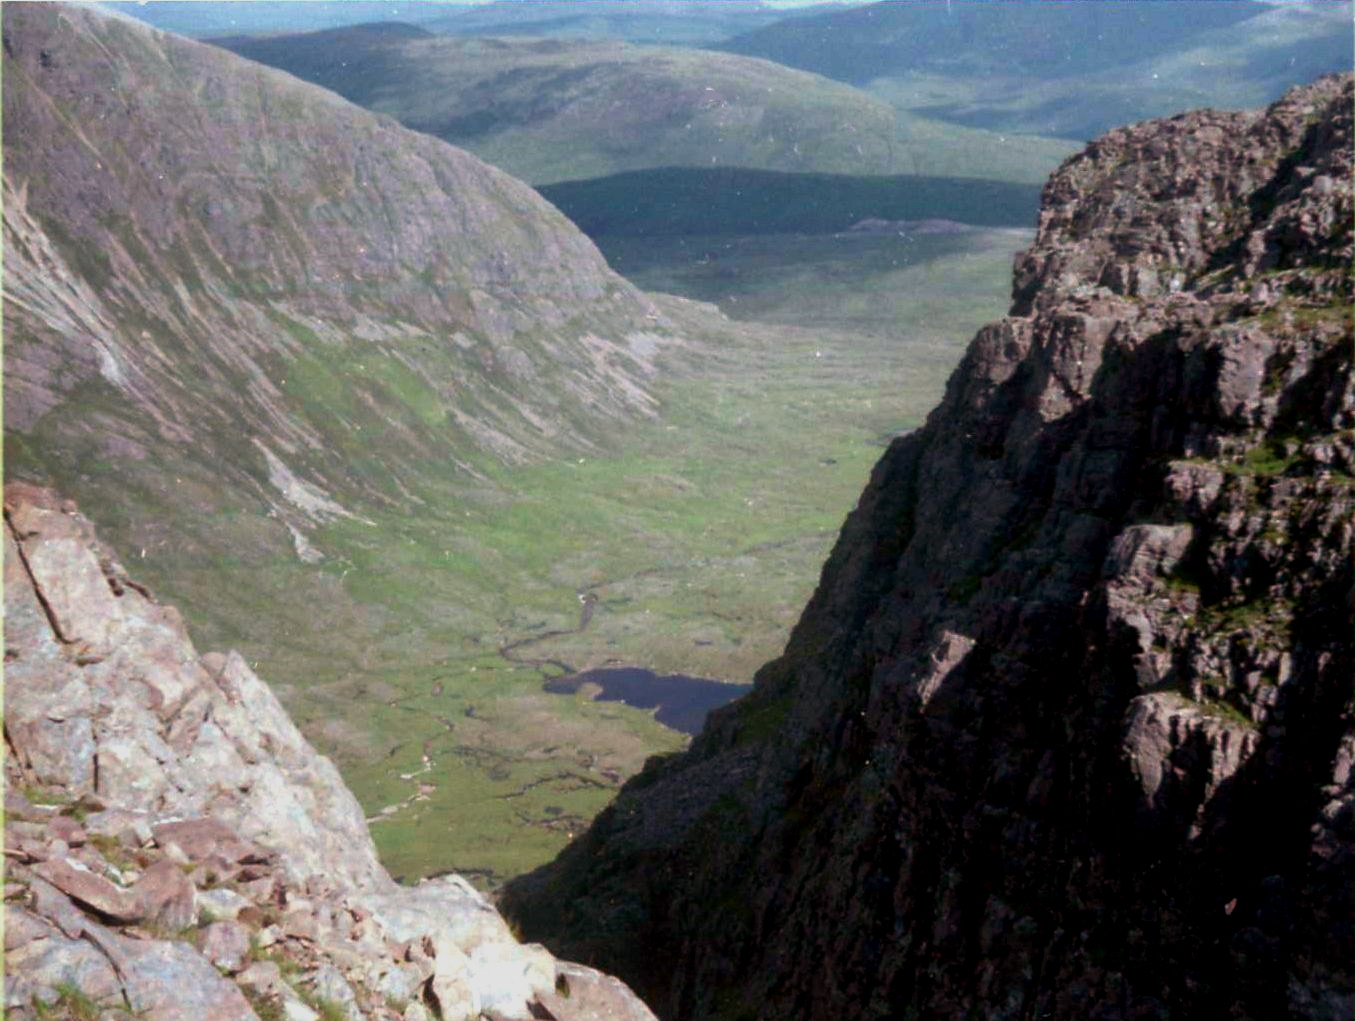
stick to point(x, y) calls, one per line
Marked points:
point(693, 201)
point(552, 110)
point(1065, 69)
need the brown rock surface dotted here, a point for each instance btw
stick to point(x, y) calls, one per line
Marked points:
point(226, 945)
point(1065, 731)
point(165, 897)
point(91, 890)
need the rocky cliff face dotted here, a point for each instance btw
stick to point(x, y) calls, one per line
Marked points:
point(177, 851)
point(1066, 730)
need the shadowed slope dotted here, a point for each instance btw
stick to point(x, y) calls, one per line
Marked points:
point(1065, 730)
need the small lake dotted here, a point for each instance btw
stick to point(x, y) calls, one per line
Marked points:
point(682, 702)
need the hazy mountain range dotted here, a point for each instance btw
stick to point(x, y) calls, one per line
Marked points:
point(561, 109)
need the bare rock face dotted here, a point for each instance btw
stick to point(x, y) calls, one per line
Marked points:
point(1066, 730)
point(176, 849)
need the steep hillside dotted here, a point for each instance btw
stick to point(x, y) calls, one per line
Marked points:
point(1067, 729)
point(1064, 69)
point(283, 351)
point(175, 850)
point(383, 281)
point(552, 109)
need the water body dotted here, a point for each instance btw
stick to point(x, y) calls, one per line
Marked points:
point(682, 702)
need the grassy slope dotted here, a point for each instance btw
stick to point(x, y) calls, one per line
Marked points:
point(551, 110)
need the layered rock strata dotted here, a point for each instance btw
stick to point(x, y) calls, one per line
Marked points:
point(1066, 730)
point(176, 850)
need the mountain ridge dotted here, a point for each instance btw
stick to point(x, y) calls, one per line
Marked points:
point(554, 109)
point(1066, 729)
point(1064, 70)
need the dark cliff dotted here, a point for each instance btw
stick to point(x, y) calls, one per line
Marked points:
point(1066, 730)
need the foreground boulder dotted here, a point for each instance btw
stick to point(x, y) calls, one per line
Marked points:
point(1067, 729)
point(177, 851)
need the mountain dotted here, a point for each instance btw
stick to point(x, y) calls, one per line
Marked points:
point(669, 22)
point(385, 282)
point(1064, 69)
point(1067, 728)
point(175, 850)
point(285, 353)
point(202, 18)
point(548, 110)
point(675, 22)
point(1028, 37)
point(364, 309)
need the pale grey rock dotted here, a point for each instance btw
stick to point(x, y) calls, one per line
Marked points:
point(507, 977)
point(391, 980)
point(295, 1010)
point(584, 994)
point(35, 969)
point(264, 977)
point(55, 906)
point(80, 884)
point(200, 840)
point(225, 944)
point(451, 983)
point(447, 907)
point(1144, 553)
point(170, 981)
point(328, 984)
point(83, 609)
point(220, 904)
point(1179, 753)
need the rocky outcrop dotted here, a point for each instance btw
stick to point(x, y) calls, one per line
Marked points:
point(1066, 730)
point(177, 851)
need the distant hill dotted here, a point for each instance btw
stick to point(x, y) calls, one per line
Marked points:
point(1066, 69)
point(549, 110)
point(201, 18)
point(670, 22)
point(1038, 39)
